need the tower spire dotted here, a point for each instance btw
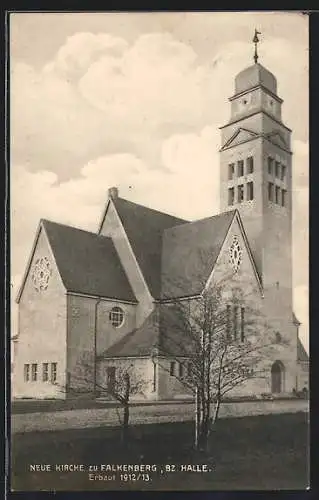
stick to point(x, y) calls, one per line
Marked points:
point(255, 41)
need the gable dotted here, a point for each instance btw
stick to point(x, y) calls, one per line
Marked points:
point(112, 226)
point(41, 254)
point(241, 135)
point(236, 243)
point(142, 230)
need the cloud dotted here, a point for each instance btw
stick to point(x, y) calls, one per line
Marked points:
point(81, 50)
point(99, 95)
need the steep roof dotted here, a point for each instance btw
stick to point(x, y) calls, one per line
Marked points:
point(139, 342)
point(301, 352)
point(161, 332)
point(144, 228)
point(87, 262)
point(255, 75)
point(190, 252)
point(295, 320)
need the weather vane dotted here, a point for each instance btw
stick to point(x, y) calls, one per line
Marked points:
point(255, 41)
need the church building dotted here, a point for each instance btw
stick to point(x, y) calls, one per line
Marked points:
point(96, 294)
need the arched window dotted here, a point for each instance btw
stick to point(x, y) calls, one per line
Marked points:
point(277, 377)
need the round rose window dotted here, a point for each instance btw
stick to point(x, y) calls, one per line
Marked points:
point(41, 274)
point(235, 254)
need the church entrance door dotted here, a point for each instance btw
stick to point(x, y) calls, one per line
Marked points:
point(277, 373)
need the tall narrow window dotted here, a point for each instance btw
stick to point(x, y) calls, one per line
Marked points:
point(277, 195)
point(242, 324)
point(235, 323)
point(283, 197)
point(283, 172)
point(240, 193)
point(270, 165)
point(154, 376)
point(45, 372)
point(53, 372)
point(34, 372)
point(231, 196)
point(270, 191)
point(27, 373)
point(240, 168)
point(172, 368)
point(189, 369)
point(228, 322)
point(231, 171)
point(250, 165)
point(277, 169)
point(181, 370)
point(250, 191)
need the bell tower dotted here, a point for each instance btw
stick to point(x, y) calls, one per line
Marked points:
point(256, 178)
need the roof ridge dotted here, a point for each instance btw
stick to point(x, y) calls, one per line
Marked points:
point(74, 227)
point(150, 209)
point(210, 217)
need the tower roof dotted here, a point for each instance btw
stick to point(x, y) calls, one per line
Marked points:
point(255, 75)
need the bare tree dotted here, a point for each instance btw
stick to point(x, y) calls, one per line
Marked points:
point(219, 340)
point(124, 384)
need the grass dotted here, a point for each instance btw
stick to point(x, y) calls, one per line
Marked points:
point(264, 452)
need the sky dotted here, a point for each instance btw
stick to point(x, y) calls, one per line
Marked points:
point(135, 100)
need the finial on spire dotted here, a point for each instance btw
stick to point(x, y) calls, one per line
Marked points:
point(255, 41)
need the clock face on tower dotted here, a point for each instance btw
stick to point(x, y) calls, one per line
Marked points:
point(41, 274)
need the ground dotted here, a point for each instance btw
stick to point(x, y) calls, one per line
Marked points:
point(260, 452)
point(26, 420)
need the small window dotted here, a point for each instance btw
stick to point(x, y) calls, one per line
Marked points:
point(277, 192)
point(117, 317)
point(189, 369)
point(27, 373)
point(240, 193)
point(231, 196)
point(231, 171)
point(240, 168)
point(34, 372)
point(53, 372)
point(172, 368)
point(250, 165)
point(277, 169)
point(242, 324)
point(283, 197)
point(270, 191)
point(250, 191)
point(45, 372)
point(270, 165)
point(283, 172)
point(181, 370)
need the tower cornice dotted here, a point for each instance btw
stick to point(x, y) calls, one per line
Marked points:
point(256, 87)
